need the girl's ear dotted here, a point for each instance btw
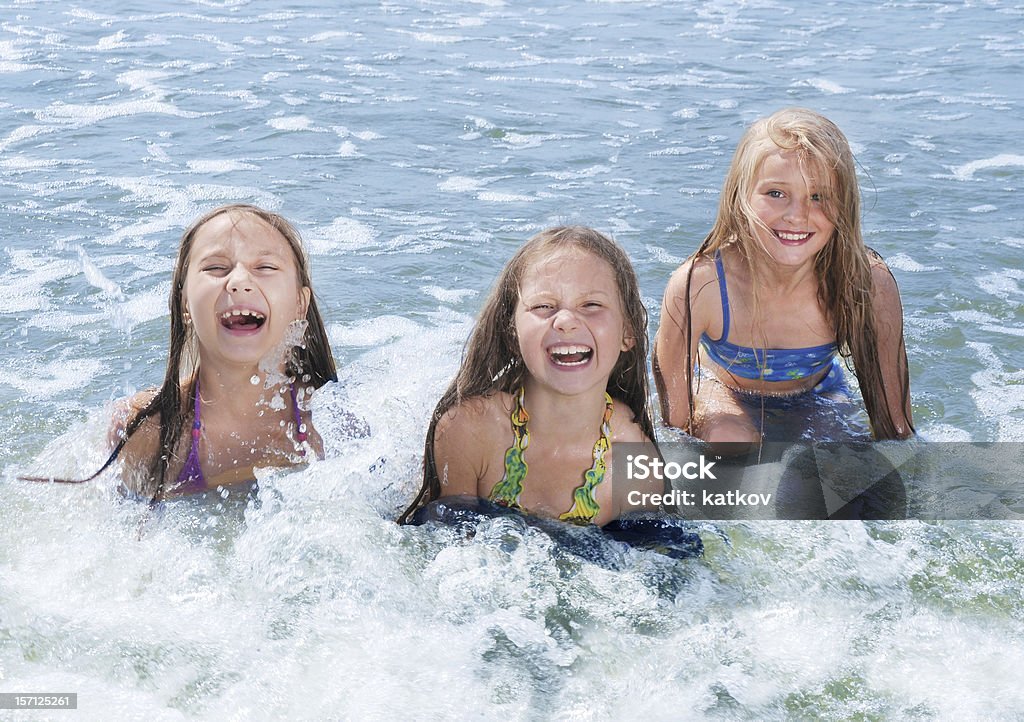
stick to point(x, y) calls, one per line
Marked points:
point(304, 295)
point(628, 342)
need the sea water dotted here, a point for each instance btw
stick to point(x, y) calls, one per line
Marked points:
point(416, 145)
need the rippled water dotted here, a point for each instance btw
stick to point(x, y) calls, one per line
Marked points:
point(416, 145)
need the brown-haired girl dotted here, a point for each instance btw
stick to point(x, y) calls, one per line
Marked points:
point(553, 376)
point(247, 349)
point(781, 287)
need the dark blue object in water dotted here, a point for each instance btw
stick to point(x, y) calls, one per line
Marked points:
point(653, 531)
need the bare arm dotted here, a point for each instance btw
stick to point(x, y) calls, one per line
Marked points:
point(892, 354)
point(142, 446)
point(673, 371)
point(460, 449)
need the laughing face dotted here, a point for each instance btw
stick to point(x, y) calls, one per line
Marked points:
point(241, 289)
point(570, 321)
point(792, 224)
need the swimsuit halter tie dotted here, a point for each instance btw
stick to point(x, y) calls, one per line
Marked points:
point(508, 491)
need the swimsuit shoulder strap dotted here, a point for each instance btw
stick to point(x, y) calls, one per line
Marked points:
point(192, 472)
point(508, 491)
point(584, 505)
point(724, 292)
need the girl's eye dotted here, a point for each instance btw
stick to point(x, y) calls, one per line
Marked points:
point(774, 194)
point(816, 197)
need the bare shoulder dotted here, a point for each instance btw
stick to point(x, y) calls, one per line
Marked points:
point(142, 447)
point(475, 419)
point(468, 442)
point(697, 271)
point(625, 427)
point(126, 409)
point(885, 293)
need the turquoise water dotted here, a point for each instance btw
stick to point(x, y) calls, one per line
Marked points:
point(416, 145)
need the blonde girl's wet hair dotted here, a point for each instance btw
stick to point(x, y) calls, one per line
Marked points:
point(843, 266)
point(492, 361)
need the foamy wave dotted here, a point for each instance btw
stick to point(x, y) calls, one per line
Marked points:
point(496, 197)
point(446, 295)
point(574, 174)
point(460, 184)
point(903, 262)
point(825, 86)
point(1004, 285)
point(47, 380)
point(371, 332)
point(1003, 160)
point(342, 234)
point(293, 123)
point(219, 166)
point(998, 393)
point(79, 114)
point(330, 35)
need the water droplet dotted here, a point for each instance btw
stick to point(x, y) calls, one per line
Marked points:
point(254, 380)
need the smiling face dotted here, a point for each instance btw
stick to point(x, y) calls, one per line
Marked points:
point(792, 225)
point(570, 322)
point(241, 289)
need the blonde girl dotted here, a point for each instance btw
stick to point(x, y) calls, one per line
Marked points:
point(780, 290)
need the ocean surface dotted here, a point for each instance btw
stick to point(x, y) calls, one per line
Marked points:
point(416, 145)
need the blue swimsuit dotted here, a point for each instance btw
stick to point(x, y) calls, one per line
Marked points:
point(778, 364)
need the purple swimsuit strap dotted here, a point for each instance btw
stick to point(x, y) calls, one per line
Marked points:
point(191, 475)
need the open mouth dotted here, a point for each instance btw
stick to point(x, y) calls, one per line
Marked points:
point(570, 355)
point(793, 237)
point(242, 319)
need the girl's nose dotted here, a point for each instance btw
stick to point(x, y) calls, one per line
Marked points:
point(565, 320)
point(798, 209)
point(239, 279)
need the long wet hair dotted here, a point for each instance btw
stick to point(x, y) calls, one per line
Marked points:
point(311, 363)
point(842, 267)
point(492, 361)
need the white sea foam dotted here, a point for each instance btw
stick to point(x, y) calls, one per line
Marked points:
point(342, 234)
point(36, 380)
point(95, 276)
point(1004, 284)
point(449, 295)
point(78, 114)
point(903, 262)
point(497, 197)
point(1003, 160)
point(293, 123)
point(371, 332)
point(461, 184)
point(998, 392)
point(220, 166)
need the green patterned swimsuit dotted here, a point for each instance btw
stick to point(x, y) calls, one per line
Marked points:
point(584, 507)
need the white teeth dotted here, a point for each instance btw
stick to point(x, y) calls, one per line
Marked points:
point(243, 312)
point(792, 236)
point(566, 350)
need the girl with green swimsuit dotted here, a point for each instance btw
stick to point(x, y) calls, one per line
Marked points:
point(554, 376)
